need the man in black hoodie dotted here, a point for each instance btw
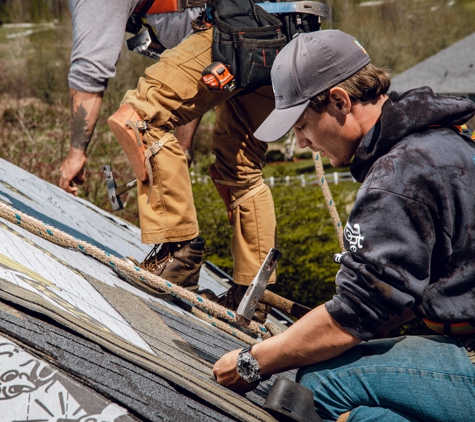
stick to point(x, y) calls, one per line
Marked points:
point(410, 243)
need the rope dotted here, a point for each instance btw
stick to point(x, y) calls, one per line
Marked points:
point(328, 198)
point(63, 239)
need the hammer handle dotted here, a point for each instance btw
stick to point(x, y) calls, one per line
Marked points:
point(119, 190)
point(279, 302)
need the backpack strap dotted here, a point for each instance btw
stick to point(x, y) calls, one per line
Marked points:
point(152, 7)
point(143, 7)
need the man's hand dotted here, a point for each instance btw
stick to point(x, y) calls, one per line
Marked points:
point(224, 371)
point(72, 171)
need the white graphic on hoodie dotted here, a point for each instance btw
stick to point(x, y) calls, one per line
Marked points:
point(353, 235)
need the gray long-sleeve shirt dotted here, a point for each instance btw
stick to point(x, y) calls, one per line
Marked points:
point(98, 34)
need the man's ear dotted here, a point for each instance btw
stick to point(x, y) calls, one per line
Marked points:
point(340, 99)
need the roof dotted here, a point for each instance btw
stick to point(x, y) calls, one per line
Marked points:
point(451, 71)
point(84, 342)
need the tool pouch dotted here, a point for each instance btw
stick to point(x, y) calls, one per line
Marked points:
point(247, 38)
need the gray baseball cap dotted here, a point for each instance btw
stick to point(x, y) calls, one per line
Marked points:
point(308, 65)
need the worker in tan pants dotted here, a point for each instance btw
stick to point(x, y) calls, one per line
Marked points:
point(172, 94)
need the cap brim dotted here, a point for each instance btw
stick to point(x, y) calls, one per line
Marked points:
point(279, 122)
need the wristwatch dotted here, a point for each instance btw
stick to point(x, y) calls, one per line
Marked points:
point(247, 366)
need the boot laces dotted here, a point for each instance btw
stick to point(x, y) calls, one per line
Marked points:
point(156, 258)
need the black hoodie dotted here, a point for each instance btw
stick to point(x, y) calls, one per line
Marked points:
point(411, 234)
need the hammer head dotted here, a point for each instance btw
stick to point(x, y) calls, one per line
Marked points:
point(256, 289)
point(116, 202)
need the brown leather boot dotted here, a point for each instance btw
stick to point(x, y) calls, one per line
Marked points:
point(178, 262)
point(232, 298)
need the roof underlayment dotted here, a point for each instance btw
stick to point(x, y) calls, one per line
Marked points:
point(77, 341)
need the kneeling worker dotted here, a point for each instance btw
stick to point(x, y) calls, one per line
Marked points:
point(410, 242)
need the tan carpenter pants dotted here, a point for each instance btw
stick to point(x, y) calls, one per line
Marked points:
point(172, 94)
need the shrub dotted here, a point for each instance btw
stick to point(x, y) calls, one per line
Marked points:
point(274, 155)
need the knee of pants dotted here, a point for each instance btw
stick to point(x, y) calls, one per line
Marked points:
point(254, 234)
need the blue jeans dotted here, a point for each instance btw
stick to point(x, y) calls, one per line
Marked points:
point(406, 378)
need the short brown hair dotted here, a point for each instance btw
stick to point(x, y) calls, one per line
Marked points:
point(366, 85)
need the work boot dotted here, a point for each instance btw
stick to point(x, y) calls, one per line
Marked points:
point(177, 262)
point(232, 298)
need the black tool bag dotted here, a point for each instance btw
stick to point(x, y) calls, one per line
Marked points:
point(246, 38)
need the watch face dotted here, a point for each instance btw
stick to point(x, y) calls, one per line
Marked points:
point(247, 367)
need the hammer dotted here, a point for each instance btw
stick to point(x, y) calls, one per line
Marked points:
point(115, 191)
point(256, 292)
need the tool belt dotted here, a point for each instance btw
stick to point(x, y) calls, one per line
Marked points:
point(454, 330)
point(248, 38)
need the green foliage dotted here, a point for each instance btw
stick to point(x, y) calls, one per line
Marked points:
point(14, 11)
point(214, 225)
point(304, 155)
point(202, 142)
point(274, 155)
point(33, 135)
point(297, 166)
point(307, 239)
point(47, 68)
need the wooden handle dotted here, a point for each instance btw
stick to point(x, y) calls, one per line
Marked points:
point(286, 305)
point(125, 187)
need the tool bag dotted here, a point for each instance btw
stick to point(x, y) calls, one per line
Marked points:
point(247, 38)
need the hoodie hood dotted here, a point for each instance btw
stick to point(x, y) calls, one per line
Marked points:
point(401, 115)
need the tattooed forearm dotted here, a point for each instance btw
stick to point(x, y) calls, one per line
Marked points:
point(79, 134)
